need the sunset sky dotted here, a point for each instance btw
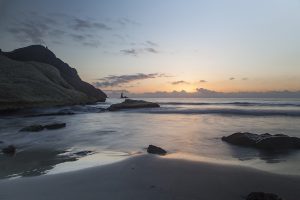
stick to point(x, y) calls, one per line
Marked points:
point(164, 45)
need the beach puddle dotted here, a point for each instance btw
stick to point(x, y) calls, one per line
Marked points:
point(36, 162)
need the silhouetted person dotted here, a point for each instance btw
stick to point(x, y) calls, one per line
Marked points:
point(122, 96)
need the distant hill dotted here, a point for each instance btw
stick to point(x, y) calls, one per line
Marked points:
point(33, 76)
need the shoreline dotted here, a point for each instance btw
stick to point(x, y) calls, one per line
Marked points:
point(153, 177)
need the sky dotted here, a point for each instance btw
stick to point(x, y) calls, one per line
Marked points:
point(165, 45)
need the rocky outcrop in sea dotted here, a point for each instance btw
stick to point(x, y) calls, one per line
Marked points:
point(132, 104)
point(263, 141)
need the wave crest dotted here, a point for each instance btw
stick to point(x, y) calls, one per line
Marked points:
point(241, 112)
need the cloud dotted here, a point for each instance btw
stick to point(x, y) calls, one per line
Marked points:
point(232, 78)
point(35, 28)
point(151, 50)
point(41, 28)
point(132, 52)
point(145, 47)
point(125, 21)
point(94, 44)
point(57, 33)
point(203, 81)
point(244, 79)
point(135, 51)
point(78, 37)
point(113, 80)
point(179, 82)
point(165, 75)
point(148, 42)
point(88, 25)
point(32, 31)
point(60, 28)
point(204, 91)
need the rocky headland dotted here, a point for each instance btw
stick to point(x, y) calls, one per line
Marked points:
point(34, 77)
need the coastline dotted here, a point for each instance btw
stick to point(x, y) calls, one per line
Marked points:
point(153, 177)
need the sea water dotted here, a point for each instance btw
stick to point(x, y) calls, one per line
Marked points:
point(187, 128)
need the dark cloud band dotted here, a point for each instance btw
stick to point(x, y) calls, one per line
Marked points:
point(113, 80)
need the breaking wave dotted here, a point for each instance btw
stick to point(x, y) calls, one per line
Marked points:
point(234, 104)
point(225, 111)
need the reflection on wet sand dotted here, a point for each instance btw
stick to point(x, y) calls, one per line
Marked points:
point(31, 162)
point(35, 162)
point(269, 156)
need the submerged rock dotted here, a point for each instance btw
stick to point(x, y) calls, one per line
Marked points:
point(11, 149)
point(262, 196)
point(36, 128)
point(132, 104)
point(263, 141)
point(33, 128)
point(156, 150)
point(55, 126)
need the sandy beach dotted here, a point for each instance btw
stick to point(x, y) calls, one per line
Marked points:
point(152, 177)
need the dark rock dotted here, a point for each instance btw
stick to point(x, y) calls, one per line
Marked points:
point(268, 134)
point(9, 150)
point(156, 150)
point(55, 126)
point(132, 104)
point(243, 139)
point(280, 135)
point(33, 128)
point(83, 153)
point(52, 114)
point(279, 142)
point(36, 128)
point(263, 141)
point(262, 196)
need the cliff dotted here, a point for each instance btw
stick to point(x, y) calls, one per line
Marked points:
point(42, 54)
point(34, 77)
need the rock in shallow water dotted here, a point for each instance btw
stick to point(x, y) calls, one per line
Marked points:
point(55, 126)
point(262, 196)
point(263, 141)
point(156, 150)
point(132, 104)
point(36, 128)
point(11, 149)
point(33, 128)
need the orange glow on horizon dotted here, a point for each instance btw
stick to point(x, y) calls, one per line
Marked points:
point(168, 84)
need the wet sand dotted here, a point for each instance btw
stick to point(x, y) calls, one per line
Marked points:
point(152, 177)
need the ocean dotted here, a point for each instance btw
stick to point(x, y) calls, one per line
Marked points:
point(187, 128)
